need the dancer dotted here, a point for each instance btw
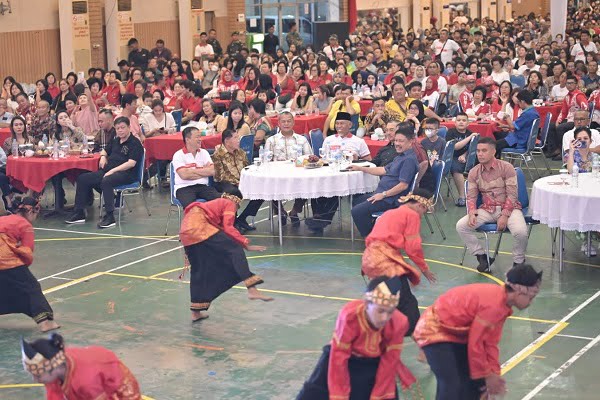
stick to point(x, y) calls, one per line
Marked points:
point(363, 358)
point(78, 373)
point(20, 292)
point(398, 229)
point(460, 333)
point(215, 250)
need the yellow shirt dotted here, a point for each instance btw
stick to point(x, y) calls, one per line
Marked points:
point(340, 105)
point(395, 111)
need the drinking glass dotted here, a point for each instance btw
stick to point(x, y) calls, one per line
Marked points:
point(322, 152)
point(564, 175)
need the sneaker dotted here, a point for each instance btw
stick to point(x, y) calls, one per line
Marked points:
point(460, 202)
point(107, 221)
point(591, 252)
point(78, 217)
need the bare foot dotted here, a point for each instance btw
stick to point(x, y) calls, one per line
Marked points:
point(198, 316)
point(421, 357)
point(255, 294)
point(46, 326)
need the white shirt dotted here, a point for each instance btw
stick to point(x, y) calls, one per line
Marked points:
point(284, 148)
point(205, 50)
point(183, 159)
point(558, 92)
point(500, 77)
point(447, 50)
point(570, 135)
point(150, 123)
point(524, 68)
point(442, 85)
point(577, 51)
point(353, 143)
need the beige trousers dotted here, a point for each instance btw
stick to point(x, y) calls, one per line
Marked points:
point(516, 225)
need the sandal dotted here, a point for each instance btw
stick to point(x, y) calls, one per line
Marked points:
point(460, 202)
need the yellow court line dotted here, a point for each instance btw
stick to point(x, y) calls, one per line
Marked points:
point(556, 329)
point(71, 283)
point(166, 272)
point(33, 385)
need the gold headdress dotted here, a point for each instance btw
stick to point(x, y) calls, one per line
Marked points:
point(36, 364)
point(419, 199)
point(383, 296)
point(530, 291)
point(231, 197)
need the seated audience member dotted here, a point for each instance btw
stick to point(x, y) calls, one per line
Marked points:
point(283, 145)
point(433, 144)
point(321, 99)
point(117, 167)
point(581, 150)
point(66, 129)
point(194, 104)
point(260, 126)
point(478, 106)
point(212, 119)
point(396, 180)
point(158, 122)
point(42, 122)
point(397, 107)
point(581, 119)
point(378, 118)
point(344, 102)
point(107, 132)
point(111, 92)
point(229, 160)
point(518, 136)
point(324, 208)
point(496, 181)
point(65, 94)
point(462, 137)
point(41, 91)
point(18, 132)
point(24, 108)
point(303, 100)
point(193, 166)
point(226, 84)
point(128, 102)
point(387, 153)
point(5, 116)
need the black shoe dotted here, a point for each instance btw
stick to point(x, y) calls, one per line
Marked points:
point(239, 227)
point(557, 157)
point(244, 225)
point(295, 220)
point(107, 221)
point(518, 264)
point(483, 266)
point(315, 225)
point(78, 217)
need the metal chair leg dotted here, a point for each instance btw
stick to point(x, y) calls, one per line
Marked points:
point(145, 202)
point(168, 219)
point(463, 256)
point(487, 250)
point(535, 166)
point(429, 224)
point(523, 159)
point(546, 162)
point(340, 211)
point(498, 245)
point(435, 218)
point(443, 203)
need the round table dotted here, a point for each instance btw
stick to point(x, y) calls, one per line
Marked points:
point(282, 180)
point(566, 208)
point(4, 134)
point(485, 129)
point(553, 108)
point(163, 147)
point(365, 106)
point(375, 145)
point(303, 124)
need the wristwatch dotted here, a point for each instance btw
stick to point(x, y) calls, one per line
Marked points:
point(384, 193)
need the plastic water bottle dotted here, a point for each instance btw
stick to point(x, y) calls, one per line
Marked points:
point(298, 151)
point(68, 143)
point(84, 148)
point(45, 140)
point(15, 148)
point(261, 154)
point(575, 176)
point(595, 166)
point(55, 150)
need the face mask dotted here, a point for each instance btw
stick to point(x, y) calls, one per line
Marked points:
point(429, 133)
point(214, 68)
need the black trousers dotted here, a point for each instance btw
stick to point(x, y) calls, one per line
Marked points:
point(408, 304)
point(5, 184)
point(187, 195)
point(450, 365)
point(254, 205)
point(226, 187)
point(324, 208)
point(556, 133)
point(21, 293)
point(89, 181)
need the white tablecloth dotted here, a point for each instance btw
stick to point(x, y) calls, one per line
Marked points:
point(284, 181)
point(566, 207)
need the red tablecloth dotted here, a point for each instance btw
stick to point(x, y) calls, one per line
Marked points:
point(34, 172)
point(484, 129)
point(365, 106)
point(4, 134)
point(554, 108)
point(375, 145)
point(303, 124)
point(164, 146)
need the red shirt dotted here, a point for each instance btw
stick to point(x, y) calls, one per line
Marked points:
point(113, 94)
point(354, 335)
point(16, 242)
point(54, 91)
point(473, 315)
point(573, 101)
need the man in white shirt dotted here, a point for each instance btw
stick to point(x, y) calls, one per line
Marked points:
point(581, 118)
point(193, 166)
point(203, 50)
point(284, 145)
point(444, 48)
point(529, 66)
point(324, 208)
point(330, 50)
point(433, 70)
point(585, 46)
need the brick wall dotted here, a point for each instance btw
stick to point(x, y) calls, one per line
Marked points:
point(96, 11)
point(234, 7)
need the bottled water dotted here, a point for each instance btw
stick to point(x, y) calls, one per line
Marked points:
point(575, 176)
point(595, 166)
point(68, 143)
point(84, 149)
point(45, 140)
point(15, 148)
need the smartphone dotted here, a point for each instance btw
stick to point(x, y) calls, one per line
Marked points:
point(80, 75)
point(582, 145)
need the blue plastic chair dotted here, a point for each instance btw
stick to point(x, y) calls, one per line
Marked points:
point(471, 154)
point(448, 158)
point(247, 144)
point(492, 228)
point(518, 81)
point(173, 199)
point(316, 140)
point(177, 116)
point(442, 132)
point(355, 124)
point(524, 155)
point(437, 168)
point(539, 149)
point(135, 186)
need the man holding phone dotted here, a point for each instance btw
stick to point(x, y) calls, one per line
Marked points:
point(520, 129)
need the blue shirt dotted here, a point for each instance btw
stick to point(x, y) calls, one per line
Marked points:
point(523, 124)
point(403, 169)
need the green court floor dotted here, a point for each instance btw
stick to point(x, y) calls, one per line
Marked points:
point(119, 288)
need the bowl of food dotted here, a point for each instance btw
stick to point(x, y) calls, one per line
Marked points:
point(312, 162)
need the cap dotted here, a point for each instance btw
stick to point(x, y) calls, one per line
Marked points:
point(343, 116)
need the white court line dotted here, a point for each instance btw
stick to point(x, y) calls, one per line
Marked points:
point(554, 327)
point(561, 369)
point(104, 259)
point(77, 281)
point(574, 337)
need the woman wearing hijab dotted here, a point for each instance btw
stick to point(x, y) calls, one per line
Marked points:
point(431, 96)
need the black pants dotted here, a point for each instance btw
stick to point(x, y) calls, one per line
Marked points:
point(502, 144)
point(450, 365)
point(556, 133)
point(21, 293)
point(89, 181)
point(5, 184)
point(226, 187)
point(324, 208)
point(254, 205)
point(363, 209)
point(408, 304)
point(188, 194)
